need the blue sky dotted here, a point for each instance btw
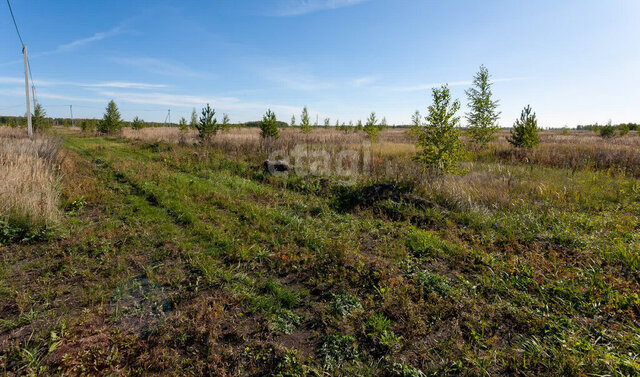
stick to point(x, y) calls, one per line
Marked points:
point(574, 61)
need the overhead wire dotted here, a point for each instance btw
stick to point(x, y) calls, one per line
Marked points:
point(15, 24)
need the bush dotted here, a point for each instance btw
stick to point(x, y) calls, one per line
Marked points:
point(607, 131)
point(524, 133)
point(88, 125)
point(624, 129)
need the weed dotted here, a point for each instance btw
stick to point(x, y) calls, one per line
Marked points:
point(285, 321)
point(344, 304)
point(337, 349)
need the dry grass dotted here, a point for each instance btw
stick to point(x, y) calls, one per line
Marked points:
point(29, 179)
point(577, 150)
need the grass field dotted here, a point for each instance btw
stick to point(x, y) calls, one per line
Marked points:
point(170, 258)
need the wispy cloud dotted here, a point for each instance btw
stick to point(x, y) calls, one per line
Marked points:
point(363, 81)
point(454, 83)
point(124, 85)
point(106, 84)
point(291, 78)
point(84, 41)
point(300, 7)
point(189, 101)
point(94, 38)
point(161, 67)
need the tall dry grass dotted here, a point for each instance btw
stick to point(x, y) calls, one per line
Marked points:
point(577, 150)
point(29, 179)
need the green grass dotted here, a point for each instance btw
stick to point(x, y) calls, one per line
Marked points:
point(180, 258)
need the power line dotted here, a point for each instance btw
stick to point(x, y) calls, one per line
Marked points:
point(14, 23)
point(28, 65)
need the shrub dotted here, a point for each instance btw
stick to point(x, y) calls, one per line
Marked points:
point(624, 129)
point(524, 133)
point(111, 121)
point(269, 125)
point(88, 125)
point(607, 131)
point(439, 138)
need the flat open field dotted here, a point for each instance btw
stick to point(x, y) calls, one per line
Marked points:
point(165, 257)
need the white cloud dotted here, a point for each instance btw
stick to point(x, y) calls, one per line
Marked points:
point(300, 7)
point(189, 101)
point(124, 85)
point(83, 41)
point(106, 84)
point(454, 83)
point(293, 79)
point(363, 81)
point(96, 37)
point(161, 67)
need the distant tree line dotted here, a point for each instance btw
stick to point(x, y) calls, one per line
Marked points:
point(596, 127)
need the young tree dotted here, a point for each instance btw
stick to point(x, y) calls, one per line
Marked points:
point(383, 123)
point(38, 121)
point(371, 127)
point(226, 122)
point(111, 121)
point(327, 122)
point(483, 114)
point(624, 129)
point(359, 125)
point(305, 124)
point(439, 137)
point(608, 131)
point(194, 119)
point(88, 125)
point(269, 125)
point(524, 133)
point(293, 120)
point(138, 123)
point(207, 126)
point(183, 125)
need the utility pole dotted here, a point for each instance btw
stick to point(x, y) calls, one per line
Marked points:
point(167, 117)
point(71, 111)
point(26, 89)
